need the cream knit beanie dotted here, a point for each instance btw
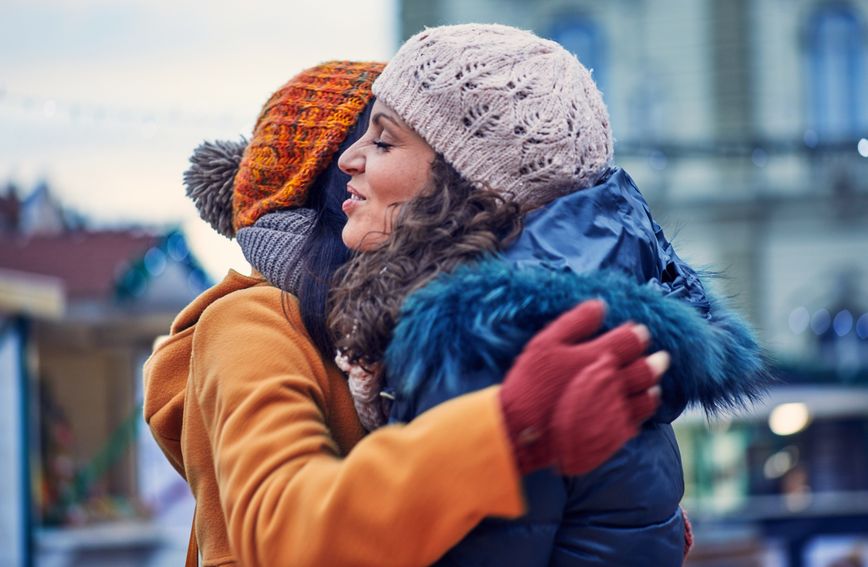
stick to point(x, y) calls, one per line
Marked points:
point(507, 109)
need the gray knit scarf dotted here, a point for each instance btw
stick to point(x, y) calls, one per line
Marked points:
point(274, 243)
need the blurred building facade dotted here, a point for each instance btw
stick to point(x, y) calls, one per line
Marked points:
point(741, 122)
point(80, 310)
point(745, 124)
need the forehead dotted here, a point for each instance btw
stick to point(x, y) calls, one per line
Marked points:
point(382, 112)
point(383, 116)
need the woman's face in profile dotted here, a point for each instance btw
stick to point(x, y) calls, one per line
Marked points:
point(387, 166)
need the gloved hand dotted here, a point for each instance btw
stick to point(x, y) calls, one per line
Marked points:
point(572, 403)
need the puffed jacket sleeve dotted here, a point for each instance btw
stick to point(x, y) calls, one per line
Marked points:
point(527, 541)
point(403, 496)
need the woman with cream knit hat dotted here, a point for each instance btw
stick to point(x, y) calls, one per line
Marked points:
point(484, 205)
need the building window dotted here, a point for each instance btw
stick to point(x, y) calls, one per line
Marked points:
point(584, 39)
point(835, 78)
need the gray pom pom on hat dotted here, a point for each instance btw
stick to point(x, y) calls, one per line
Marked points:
point(209, 181)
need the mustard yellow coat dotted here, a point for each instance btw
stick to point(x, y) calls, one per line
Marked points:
point(264, 431)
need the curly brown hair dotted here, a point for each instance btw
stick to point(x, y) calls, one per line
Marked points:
point(450, 223)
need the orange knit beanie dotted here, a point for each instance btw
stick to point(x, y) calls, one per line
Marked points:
point(296, 136)
point(298, 132)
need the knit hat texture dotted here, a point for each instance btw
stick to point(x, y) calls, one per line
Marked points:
point(273, 245)
point(507, 109)
point(296, 136)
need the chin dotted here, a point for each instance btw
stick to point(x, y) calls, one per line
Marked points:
point(361, 236)
point(350, 240)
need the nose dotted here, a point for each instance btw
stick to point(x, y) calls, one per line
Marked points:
point(352, 162)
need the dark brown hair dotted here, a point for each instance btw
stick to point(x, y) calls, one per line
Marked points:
point(450, 223)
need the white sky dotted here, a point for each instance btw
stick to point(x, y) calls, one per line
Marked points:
point(106, 99)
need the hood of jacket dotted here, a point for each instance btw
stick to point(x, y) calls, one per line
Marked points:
point(167, 369)
point(607, 227)
point(599, 242)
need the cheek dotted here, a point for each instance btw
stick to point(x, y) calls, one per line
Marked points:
point(423, 176)
point(390, 183)
point(414, 177)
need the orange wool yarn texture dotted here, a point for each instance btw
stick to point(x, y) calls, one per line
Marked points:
point(296, 136)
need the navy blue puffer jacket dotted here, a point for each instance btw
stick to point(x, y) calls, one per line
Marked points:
point(465, 329)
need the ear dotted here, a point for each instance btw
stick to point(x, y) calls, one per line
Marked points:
point(209, 182)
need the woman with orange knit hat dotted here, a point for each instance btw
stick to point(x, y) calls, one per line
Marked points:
point(246, 404)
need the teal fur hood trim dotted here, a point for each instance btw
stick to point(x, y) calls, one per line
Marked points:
point(476, 320)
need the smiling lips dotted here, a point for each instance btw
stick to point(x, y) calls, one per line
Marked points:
point(354, 201)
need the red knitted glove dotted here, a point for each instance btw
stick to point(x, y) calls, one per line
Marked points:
point(571, 403)
point(599, 411)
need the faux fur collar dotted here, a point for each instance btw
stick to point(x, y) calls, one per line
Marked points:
point(480, 317)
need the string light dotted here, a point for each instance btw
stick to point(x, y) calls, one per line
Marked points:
point(862, 326)
point(155, 261)
point(843, 323)
point(148, 120)
point(799, 320)
point(821, 321)
point(789, 419)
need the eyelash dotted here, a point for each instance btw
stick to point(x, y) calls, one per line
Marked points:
point(383, 146)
